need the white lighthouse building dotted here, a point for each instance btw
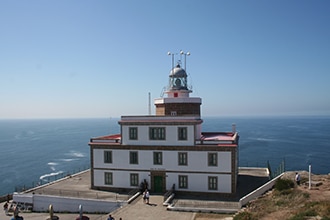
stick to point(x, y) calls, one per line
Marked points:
point(168, 149)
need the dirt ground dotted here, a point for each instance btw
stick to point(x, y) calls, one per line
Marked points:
point(319, 192)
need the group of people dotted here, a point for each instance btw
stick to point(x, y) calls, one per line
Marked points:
point(15, 209)
point(146, 196)
point(112, 218)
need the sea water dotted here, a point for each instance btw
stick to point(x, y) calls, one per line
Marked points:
point(35, 151)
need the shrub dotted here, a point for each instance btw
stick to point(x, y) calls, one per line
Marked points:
point(283, 184)
point(303, 215)
point(243, 216)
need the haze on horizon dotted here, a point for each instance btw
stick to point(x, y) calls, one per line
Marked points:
point(87, 59)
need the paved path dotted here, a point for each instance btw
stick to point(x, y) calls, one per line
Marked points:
point(135, 211)
point(79, 186)
point(154, 210)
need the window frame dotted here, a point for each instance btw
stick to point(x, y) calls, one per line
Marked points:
point(133, 133)
point(213, 183)
point(134, 179)
point(158, 158)
point(212, 159)
point(183, 182)
point(157, 133)
point(182, 133)
point(108, 178)
point(183, 158)
point(132, 158)
point(107, 156)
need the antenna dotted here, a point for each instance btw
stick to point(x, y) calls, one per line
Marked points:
point(185, 58)
point(181, 53)
point(171, 54)
point(149, 107)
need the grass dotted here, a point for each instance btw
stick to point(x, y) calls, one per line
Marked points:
point(286, 197)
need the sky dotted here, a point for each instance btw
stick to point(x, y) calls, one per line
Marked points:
point(87, 59)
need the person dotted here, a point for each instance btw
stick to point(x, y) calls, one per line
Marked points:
point(297, 179)
point(144, 196)
point(147, 196)
point(16, 216)
point(111, 218)
point(5, 207)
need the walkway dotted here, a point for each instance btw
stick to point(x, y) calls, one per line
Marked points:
point(79, 186)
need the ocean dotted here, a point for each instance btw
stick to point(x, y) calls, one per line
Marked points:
point(35, 151)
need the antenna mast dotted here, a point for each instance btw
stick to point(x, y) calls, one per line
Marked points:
point(149, 105)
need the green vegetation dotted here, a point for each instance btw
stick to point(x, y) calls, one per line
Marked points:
point(313, 209)
point(283, 184)
point(244, 216)
point(285, 195)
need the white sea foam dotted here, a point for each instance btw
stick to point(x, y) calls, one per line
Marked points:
point(68, 160)
point(49, 175)
point(75, 154)
point(52, 164)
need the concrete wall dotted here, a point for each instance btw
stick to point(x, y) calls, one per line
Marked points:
point(258, 192)
point(68, 204)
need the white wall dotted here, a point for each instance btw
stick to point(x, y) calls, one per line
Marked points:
point(120, 178)
point(68, 204)
point(196, 182)
point(199, 182)
point(197, 162)
point(171, 136)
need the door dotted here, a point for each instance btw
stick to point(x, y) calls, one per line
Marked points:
point(158, 184)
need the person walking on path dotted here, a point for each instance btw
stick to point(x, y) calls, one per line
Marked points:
point(147, 196)
point(297, 179)
point(5, 207)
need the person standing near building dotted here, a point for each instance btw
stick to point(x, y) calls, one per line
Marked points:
point(147, 196)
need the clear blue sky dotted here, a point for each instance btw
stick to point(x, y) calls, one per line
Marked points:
point(62, 58)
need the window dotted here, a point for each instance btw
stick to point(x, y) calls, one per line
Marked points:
point(182, 133)
point(183, 158)
point(107, 156)
point(157, 133)
point(213, 183)
point(133, 135)
point(133, 157)
point(134, 179)
point(213, 159)
point(183, 182)
point(158, 158)
point(107, 178)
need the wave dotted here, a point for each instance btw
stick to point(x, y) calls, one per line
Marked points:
point(277, 140)
point(52, 164)
point(68, 160)
point(49, 175)
point(75, 154)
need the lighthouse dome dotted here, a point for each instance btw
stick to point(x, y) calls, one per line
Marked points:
point(177, 71)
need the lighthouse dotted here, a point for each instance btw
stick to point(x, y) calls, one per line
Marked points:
point(177, 101)
point(169, 149)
